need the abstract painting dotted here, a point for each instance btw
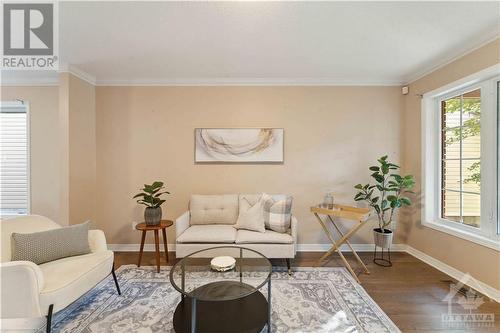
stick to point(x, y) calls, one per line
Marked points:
point(239, 145)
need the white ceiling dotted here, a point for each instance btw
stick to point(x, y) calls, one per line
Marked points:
point(270, 42)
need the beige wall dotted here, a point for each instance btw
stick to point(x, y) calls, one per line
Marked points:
point(45, 183)
point(63, 128)
point(77, 147)
point(481, 262)
point(82, 151)
point(332, 135)
point(95, 152)
point(63, 148)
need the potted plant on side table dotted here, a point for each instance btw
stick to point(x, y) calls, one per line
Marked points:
point(385, 197)
point(151, 198)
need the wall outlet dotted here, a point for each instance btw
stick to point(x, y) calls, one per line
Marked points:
point(134, 224)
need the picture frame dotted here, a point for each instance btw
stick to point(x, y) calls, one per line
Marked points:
point(239, 145)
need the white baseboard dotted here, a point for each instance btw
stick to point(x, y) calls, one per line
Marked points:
point(300, 247)
point(466, 279)
point(447, 269)
point(136, 247)
point(345, 248)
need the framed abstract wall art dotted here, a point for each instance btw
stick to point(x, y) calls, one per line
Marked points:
point(239, 145)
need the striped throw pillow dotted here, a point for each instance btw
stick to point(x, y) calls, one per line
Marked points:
point(277, 213)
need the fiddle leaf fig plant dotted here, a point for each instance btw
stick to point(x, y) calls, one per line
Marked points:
point(387, 194)
point(151, 195)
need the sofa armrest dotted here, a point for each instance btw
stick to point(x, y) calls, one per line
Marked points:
point(97, 241)
point(181, 224)
point(22, 282)
point(294, 226)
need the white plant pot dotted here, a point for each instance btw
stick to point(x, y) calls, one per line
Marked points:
point(383, 240)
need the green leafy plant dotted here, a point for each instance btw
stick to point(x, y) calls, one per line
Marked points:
point(390, 188)
point(151, 195)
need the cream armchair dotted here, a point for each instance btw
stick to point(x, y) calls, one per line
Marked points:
point(30, 292)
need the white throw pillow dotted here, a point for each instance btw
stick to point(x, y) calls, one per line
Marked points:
point(251, 217)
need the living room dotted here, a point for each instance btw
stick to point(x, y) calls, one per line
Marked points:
point(183, 146)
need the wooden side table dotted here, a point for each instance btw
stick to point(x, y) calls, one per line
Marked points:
point(357, 215)
point(164, 224)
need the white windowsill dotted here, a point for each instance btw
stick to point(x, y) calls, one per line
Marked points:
point(472, 237)
point(9, 216)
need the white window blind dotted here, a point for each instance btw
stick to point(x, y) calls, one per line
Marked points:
point(14, 159)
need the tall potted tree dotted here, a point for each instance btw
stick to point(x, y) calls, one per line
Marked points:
point(385, 197)
point(151, 198)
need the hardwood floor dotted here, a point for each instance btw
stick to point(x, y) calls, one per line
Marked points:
point(410, 292)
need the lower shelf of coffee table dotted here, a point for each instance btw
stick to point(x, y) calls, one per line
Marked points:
point(246, 315)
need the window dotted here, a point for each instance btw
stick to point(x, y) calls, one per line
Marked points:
point(14, 159)
point(460, 158)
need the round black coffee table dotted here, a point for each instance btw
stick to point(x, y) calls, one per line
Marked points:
point(222, 301)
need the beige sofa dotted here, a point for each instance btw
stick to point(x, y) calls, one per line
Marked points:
point(210, 222)
point(31, 293)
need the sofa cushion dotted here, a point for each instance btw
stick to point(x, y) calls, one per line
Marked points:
point(68, 278)
point(251, 216)
point(45, 246)
point(60, 273)
point(208, 234)
point(213, 209)
point(247, 236)
point(277, 213)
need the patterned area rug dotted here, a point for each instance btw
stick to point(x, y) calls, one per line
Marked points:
point(312, 300)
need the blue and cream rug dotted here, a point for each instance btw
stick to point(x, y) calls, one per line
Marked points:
point(312, 300)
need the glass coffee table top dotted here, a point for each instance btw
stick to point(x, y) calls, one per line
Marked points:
point(193, 276)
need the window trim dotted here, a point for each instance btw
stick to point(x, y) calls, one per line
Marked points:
point(28, 152)
point(487, 234)
point(498, 154)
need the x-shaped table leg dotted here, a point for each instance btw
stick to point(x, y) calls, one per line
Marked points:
point(350, 246)
point(337, 244)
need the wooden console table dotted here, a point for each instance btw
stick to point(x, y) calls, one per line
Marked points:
point(164, 224)
point(358, 215)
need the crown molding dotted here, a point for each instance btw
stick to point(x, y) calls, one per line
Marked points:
point(474, 44)
point(51, 79)
point(75, 71)
point(48, 81)
point(44, 77)
point(247, 82)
